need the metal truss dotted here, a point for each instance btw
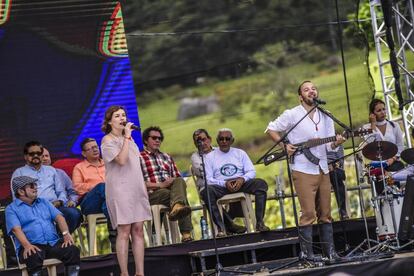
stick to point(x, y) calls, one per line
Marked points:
point(403, 36)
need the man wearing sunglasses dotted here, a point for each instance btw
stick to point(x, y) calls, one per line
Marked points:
point(230, 170)
point(30, 221)
point(50, 186)
point(164, 182)
point(202, 141)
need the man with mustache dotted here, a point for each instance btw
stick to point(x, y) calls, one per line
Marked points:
point(310, 177)
point(49, 185)
point(31, 221)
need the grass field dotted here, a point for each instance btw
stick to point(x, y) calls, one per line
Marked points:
point(250, 125)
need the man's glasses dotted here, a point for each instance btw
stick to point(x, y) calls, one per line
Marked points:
point(159, 138)
point(34, 153)
point(92, 148)
point(222, 139)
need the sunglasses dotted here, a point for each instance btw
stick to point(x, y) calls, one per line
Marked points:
point(159, 138)
point(34, 153)
point(222, 139)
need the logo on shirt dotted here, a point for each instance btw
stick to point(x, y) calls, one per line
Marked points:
point(228, 170)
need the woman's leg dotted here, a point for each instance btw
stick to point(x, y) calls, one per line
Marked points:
point(122, 241)
point(137, 234)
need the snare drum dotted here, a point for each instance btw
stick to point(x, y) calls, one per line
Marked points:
point(385, 227)
point(377, 172)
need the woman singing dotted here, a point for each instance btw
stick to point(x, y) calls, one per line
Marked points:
point(126, 194)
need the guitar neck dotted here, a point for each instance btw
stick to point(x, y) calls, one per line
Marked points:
point(317, 142)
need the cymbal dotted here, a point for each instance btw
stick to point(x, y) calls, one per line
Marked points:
point(373, 150)
point(408, 156)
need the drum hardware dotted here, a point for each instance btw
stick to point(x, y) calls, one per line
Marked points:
point(383, 202)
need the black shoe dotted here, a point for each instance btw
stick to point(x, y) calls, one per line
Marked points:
point(235, 229)
point(261, 227)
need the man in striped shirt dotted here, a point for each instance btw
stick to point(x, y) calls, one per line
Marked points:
point(164, 182)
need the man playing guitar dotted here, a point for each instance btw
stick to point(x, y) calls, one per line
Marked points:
point(310, 175)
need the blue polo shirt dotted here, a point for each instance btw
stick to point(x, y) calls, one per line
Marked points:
point(49, 184)
point(36, 221)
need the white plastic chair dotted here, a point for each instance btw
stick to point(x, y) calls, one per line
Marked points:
point(50, 264)
point(92, 220)
point(243, 198)
point(247, 208)
point(171, 229)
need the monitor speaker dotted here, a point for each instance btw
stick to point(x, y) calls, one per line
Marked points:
point(406, 229)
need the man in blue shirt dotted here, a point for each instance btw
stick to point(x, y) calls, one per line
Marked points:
point(230, 170)
point(50, 186)
point(64, 178)
point(30, 220)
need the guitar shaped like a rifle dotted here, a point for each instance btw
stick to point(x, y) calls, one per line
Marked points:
point(304, 147)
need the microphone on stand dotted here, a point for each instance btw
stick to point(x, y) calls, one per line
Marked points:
point(134, 127)
point(319, 101)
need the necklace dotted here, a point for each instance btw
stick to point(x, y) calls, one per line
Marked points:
point(116, 136)
point(316, 123)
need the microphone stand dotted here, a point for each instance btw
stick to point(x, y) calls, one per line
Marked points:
point(219, 267)
point(338, 196)
point(285, 142)
point(361, 201)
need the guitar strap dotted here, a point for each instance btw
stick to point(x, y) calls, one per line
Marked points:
point(309, 155)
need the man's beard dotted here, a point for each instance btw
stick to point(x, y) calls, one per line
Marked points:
point(35, 162)
point(308, 101)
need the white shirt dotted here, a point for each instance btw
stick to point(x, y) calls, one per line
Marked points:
point(303, 132)
point(403, 174)
point(392, 134)
point(222, 166)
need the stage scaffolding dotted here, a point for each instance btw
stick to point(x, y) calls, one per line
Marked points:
point(403, 37)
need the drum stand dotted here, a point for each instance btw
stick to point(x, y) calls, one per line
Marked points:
point(388, 243)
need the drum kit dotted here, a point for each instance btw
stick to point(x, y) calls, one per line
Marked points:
point(387, 197)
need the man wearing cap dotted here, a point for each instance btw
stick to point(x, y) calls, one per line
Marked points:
point(50, 186)
point(30, 221)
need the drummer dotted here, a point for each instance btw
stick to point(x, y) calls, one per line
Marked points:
point(385, 130)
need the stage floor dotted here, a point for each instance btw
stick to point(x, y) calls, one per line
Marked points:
point(175, 259)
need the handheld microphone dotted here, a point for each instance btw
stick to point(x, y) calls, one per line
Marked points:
point(319, 101)
point(134, 127)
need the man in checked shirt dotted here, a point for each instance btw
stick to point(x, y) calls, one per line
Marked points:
point(164, 182)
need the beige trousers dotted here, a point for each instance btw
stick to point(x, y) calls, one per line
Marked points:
point(314, 194)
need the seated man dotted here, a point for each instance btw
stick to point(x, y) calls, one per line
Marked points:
point(202, 141)
point(230, 170)
point(31, 222)
point(64, 178)
point(50, 187)
point(164, 182)
point(89, 182)
point(89, 179)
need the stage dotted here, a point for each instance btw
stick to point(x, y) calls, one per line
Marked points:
point(258, 253)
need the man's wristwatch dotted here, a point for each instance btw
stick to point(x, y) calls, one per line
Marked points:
point(64, 233)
